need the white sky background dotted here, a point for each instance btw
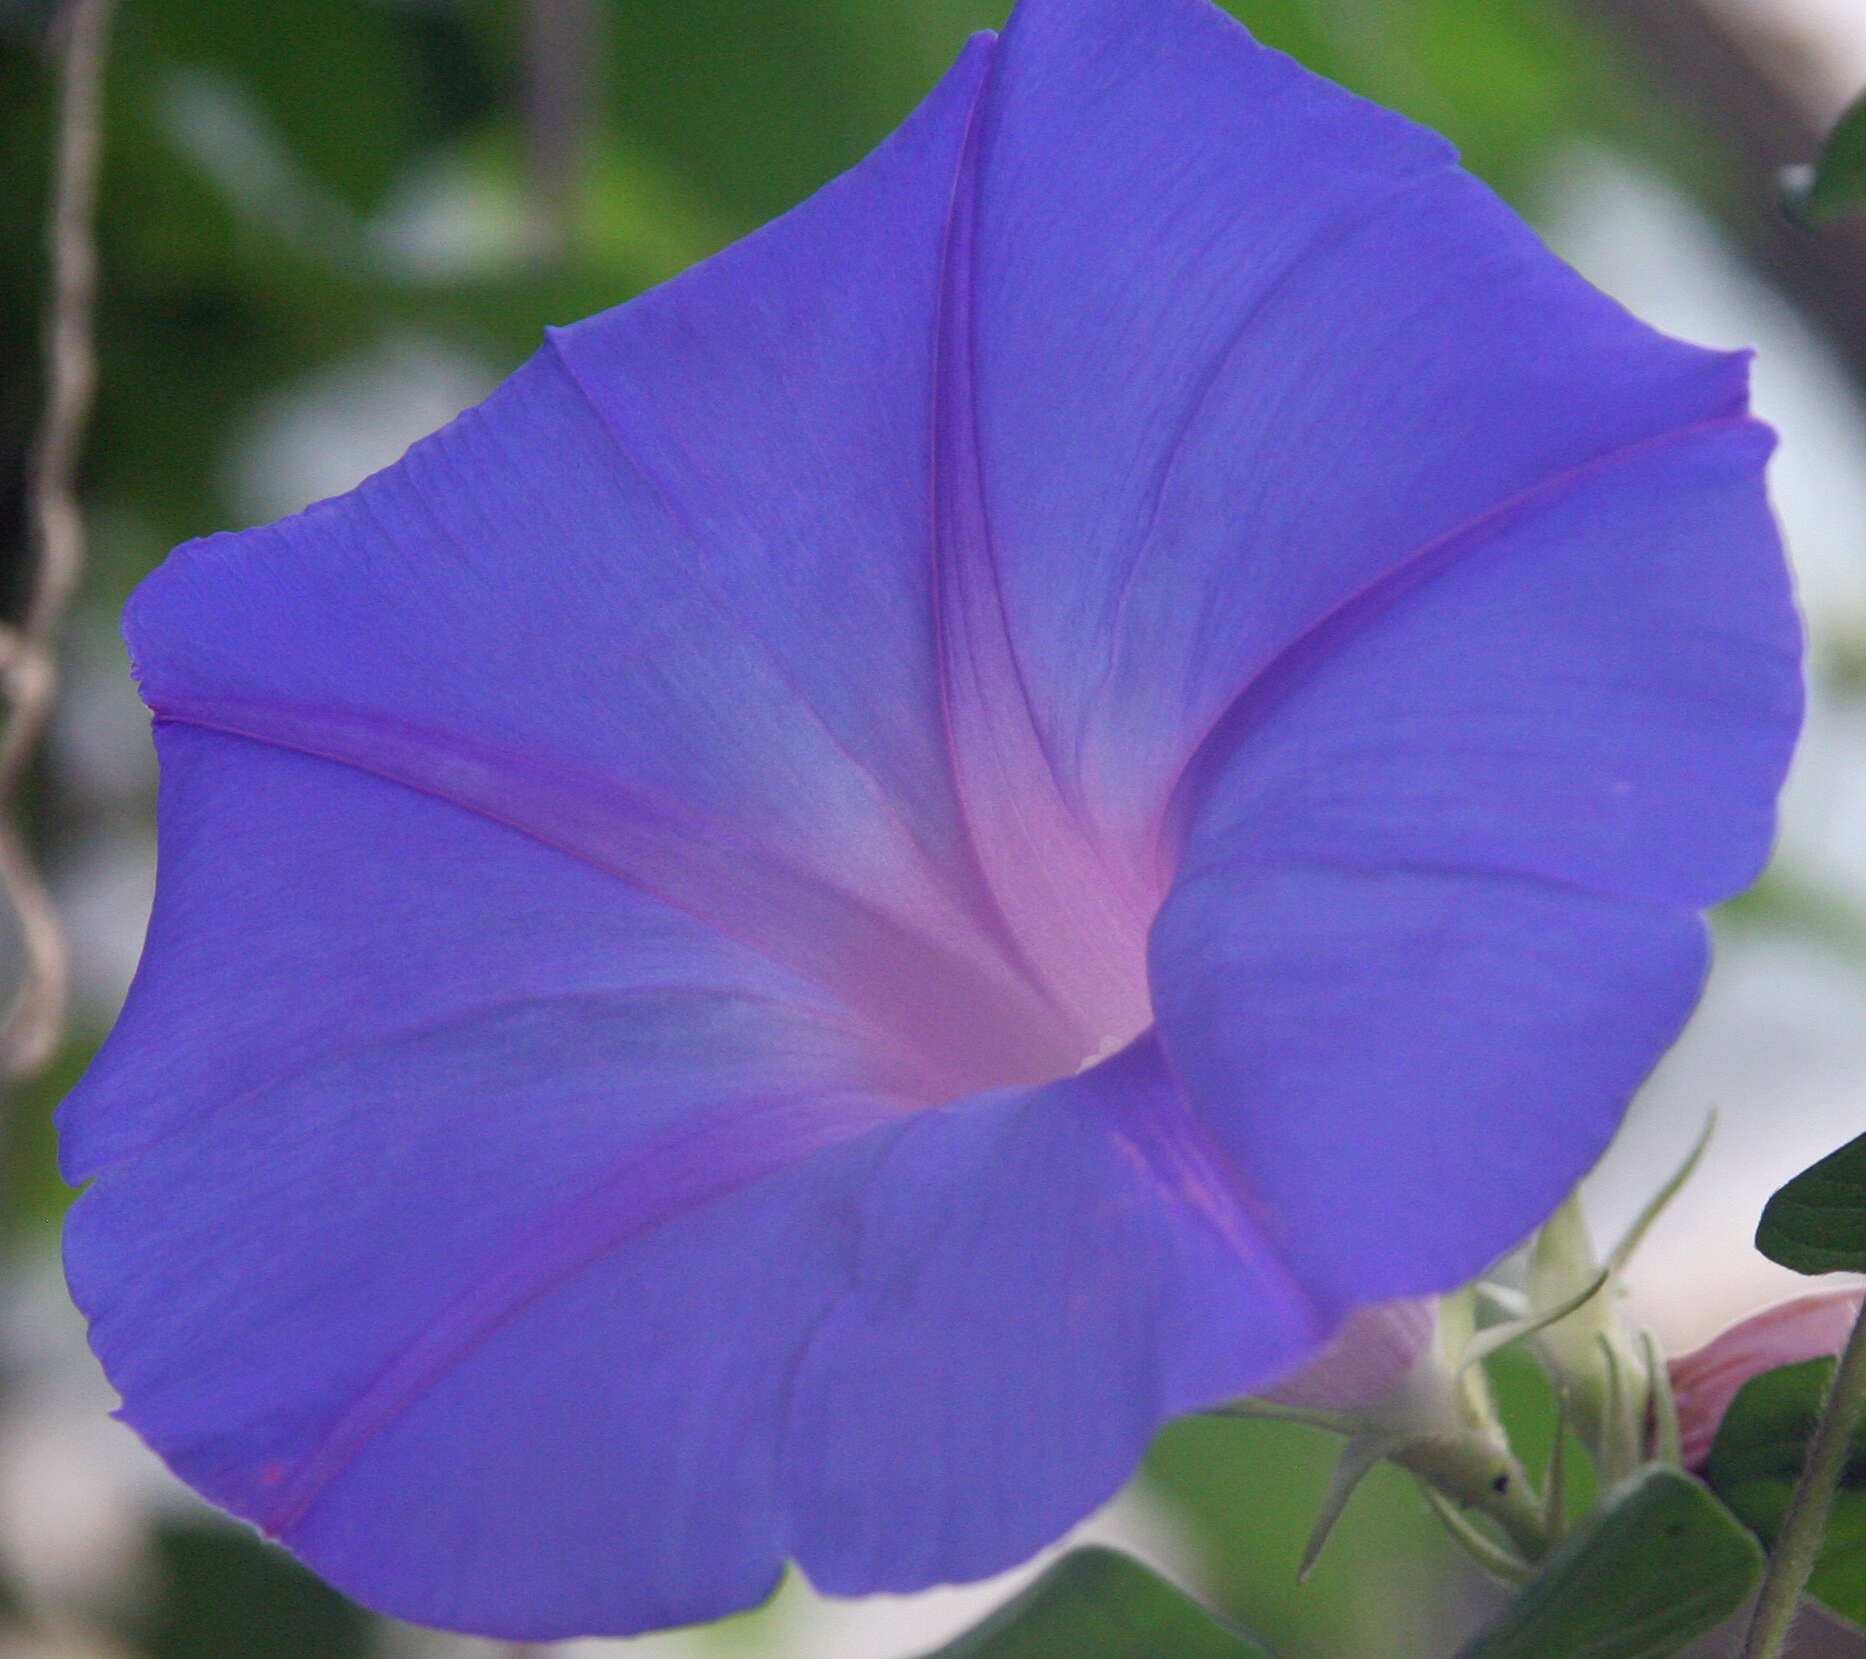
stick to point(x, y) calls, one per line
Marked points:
point(1779, 1047)
point(1827, 40)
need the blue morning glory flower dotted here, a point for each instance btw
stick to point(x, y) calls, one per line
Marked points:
point(945, 838)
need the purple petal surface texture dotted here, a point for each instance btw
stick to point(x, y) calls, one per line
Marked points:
point(951, 835)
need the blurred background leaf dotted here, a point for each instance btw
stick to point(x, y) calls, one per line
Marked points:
point(1837, 183)
point(225, 1594)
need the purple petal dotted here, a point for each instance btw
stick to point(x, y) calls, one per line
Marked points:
point(599, 1113)
point(538, 1404)
point(495, 1118)
point(593, 608)
point(1239, 344)
point(389, 1073)
point(1597, 687)
point(693, 1328)
point(1411, 1069)
point(1042, 1280)
point(304, 908)
point(1440, 883)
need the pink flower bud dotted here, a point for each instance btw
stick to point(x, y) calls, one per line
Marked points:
point(1707, 1379)
point(1371, 1356)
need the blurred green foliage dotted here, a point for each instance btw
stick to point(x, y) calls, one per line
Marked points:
point(223, 1593)
point(33, 1199)
point(1390, 1579)
point(259, 156)
point(1248, 1492)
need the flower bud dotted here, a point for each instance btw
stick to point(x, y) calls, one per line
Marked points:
point(1707, 1379)
point(1371, 1358)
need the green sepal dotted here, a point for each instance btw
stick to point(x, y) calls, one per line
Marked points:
point(1817, 1223)
point(1757, 1458)
point(1356, 1462)
point(1656, 1564)
point(1099, 1604)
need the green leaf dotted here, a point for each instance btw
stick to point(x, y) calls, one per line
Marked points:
point(1817, 1223)
point(1100, 1604)
point(1652, 1567)
point(1757, 1458)
point(1838, 183)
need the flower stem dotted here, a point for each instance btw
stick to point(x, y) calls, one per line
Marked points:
point(1486, 1478)
point(31, 1028)
point(1804, 1526)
